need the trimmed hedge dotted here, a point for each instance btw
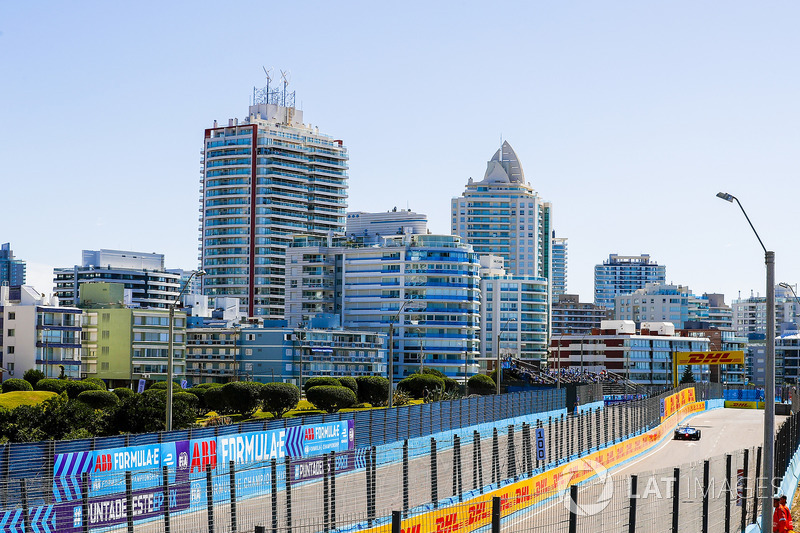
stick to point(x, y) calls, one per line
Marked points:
point(242, 397)
point(52, 385)
point(98, 399)
point(279, 398)
point(320, 381)
point(74, 388)
point(162, 385)
point(373, 390)
point(122, 393)
point(16, 384)
point(416, 384)
point(330, 398)
point(350, 383)
point(481, 384)
point(97, 381)
point(215, 400)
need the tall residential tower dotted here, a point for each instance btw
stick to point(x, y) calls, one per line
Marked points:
point(265, 179)
point(623, 274)
point(502, 215)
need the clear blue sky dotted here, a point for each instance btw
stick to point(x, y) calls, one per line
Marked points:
point(628, 116)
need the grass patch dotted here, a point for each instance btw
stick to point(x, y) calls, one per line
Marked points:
point(10, 400)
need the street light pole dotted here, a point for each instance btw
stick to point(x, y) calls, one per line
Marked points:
point(499, 359)
point(170, 352)
point(769, 378)
point(391, 351)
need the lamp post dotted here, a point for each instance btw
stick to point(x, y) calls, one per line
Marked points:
point(391, 349)
point(170, 354)
point(499, 360)
point(769, 377)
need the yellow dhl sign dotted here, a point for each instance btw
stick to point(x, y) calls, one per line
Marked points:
point(739, 404)
point(735, 357)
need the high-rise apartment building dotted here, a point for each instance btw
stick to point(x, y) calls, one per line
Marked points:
point(514, 314)
point(265, 179)
point(371, 227)
point(426, 286)
point(661, 302)
point(623, 274)
point(750, 314)
point(559, 278)
point(147, 284)
point(570, 316)
point(12, 271)
point(502, 215)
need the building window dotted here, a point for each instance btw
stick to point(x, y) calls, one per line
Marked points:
point(106, 317)
point(12, 316)
point(10, 332)
point(10, 368)
point(104, 365)
point(106, 334)
point(10, 350)
point(104, 350)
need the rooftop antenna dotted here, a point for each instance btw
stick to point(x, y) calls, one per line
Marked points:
point(285, 78)
point(269, 78)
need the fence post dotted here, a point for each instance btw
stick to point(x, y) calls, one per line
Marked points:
point(209, 499)
point(573, 508)
point(706, 475)
point(744, 488)
point(288, 476)
point(85, 502)
point(495, 457)
point(165, 492)
point(728, 493)
point(396, 522)
point(549, 438)
point(605, 425)
point(632, 505)
point(457, 488)
point(434, 475)
point(129, 501)
point(368, 471)
point(496, 514)
point(333, 490)
point(676, 499)
point(476, 444)
point(755, 492)
point(405, 477)
point(26, 518)
point(325, 493)
point(511, 454)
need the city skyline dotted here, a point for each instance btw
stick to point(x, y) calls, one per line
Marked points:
point(628, 118)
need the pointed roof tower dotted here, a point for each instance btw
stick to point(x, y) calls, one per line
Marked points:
point(504, 166)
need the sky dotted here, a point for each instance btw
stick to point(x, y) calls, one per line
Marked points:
point(628, 116)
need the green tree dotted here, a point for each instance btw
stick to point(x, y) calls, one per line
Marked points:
point(373, 390)
point(242, 397)
point(417, 385)
point(98, 399)
point(481, 384)
point(279, 398)
point(330, 398)
point(687, 376)
point(321, 380)
point(33, 376)
point(350, 383)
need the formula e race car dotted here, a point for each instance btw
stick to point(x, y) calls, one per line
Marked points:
point(687, 433)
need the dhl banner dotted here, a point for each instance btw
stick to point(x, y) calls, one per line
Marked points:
point(710, 358)
point(673, 402)
point(475, 513)
point(739, 404)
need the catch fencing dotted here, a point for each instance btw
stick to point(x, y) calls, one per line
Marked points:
point(422, 478)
